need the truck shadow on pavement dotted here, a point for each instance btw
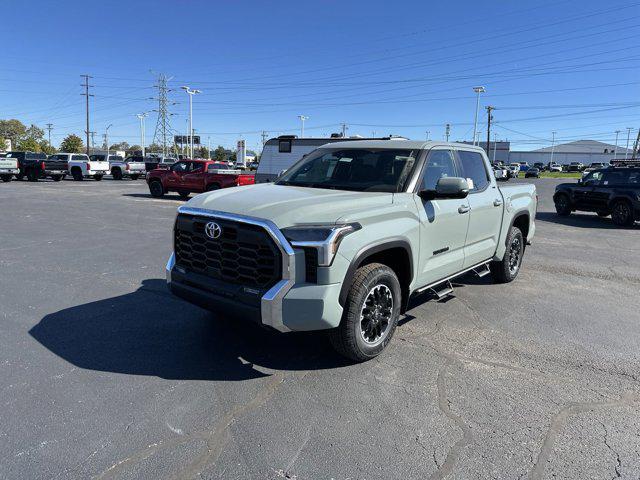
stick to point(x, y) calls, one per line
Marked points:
point(168, 196)
point(585, 220)
point(150, 332)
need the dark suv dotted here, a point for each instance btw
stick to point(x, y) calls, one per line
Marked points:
point(611, 191)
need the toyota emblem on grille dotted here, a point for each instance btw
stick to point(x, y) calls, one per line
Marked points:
point(213, 230)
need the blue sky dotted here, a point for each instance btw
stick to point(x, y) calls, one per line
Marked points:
point(391, 68)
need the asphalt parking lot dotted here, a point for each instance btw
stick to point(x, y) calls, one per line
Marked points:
point(105, 375)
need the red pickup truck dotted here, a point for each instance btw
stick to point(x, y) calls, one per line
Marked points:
point(195, 176)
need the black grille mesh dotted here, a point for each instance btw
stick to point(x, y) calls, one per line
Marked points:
point(244, 254)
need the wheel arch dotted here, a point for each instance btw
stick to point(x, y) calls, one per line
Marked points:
point(521, 220)
point(396, 254)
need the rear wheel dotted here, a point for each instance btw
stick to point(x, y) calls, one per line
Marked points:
point(77, 174)
point(156, 189)
point(563, 206)
point(116, 173)
point(506, 270)
point(20, 176)
point(6, 178)
point(622, 213)
point(371, 313)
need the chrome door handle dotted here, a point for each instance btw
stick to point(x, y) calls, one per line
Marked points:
point(497, 202)
point(463, 209)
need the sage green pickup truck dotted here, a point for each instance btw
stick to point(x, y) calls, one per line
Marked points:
point(345, 237)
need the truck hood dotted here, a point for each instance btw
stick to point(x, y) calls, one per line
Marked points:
point(287, 206)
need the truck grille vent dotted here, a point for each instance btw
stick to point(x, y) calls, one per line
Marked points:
point(311, 265)
point(244, 254)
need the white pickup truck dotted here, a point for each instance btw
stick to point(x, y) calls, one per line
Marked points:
point(8, 168)
point(121, 167)
point(81, 167)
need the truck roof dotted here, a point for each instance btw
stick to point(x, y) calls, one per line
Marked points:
point(398, 144)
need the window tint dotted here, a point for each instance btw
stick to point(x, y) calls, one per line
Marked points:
point(592, 178)
point(180, 167)
point(473, 170)
point(79, 157)
point(284, 146)
point(620, 177)
point(439, 164)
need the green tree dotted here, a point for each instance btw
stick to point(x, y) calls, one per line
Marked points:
point(119, 146)
point(133, 149)
point(34, 133)
point(220, 154)
point(201, 152)
point(12, 130)
point(28, 145)
point(154, 148)
point(72, 144)
point(46, 147)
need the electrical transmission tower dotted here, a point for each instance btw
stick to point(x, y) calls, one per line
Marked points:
point(162, 134)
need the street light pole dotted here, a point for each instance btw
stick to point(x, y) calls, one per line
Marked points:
point(615, 150)
point(478, 91)
point(553, 144)
point(302, 119)
point(142, 116)
point(626, 151)
point(191, 93)
point(106, 139)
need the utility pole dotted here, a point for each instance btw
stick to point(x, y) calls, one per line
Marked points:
point(428, 132)
point(615, 150)
point(553, 144)
point(344, 129)
point(87, 95)
point(264, 136)
point(93, 140)
point(49, 128)
point(208, 148)
point(447, 131)
point(489, 118)
point(626, 152)
point(478, 91)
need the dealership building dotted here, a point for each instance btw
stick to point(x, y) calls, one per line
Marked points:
point(584, 151)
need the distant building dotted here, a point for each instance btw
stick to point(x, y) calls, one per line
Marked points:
point(498, 151)
point(584, 151)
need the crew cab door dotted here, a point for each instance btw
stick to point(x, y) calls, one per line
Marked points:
point(193, 179)
point(443, 222)
point(176, 173)
point(485, 200)
point(584, 195)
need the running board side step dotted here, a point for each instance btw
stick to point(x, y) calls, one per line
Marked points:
point(482, 270)
point(443, 290)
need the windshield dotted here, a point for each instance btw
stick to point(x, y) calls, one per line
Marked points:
point(363, 170)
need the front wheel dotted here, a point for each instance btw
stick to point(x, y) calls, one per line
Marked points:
point(563, 206)
point(6, 178)
point(622, 214)
point(506, 270)
point(371, 313)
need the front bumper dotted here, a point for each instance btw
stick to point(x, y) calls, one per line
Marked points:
point(290, 305)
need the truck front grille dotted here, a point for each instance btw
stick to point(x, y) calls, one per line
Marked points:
point(244, 254)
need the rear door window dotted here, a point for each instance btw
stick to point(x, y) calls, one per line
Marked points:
point(474, 170)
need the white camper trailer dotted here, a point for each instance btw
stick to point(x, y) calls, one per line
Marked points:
point(282, 152)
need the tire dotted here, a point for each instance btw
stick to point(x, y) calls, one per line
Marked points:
point(212, 187)
point(57, 178)
point(183, 194)
point(622, 213)
point(156, 189)
point(603, 213)
point(116, 173)
point(134, 177)
point(19, 176)
point(6, 178)
point(563, 204)
point(77, 174)
point(32, 175)
point(359, 338)
point(506, 270)
point(97, 178)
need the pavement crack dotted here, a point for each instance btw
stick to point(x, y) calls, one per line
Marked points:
point(617, 455)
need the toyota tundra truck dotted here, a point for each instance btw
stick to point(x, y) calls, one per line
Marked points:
point(195, 176)
point(346, 236)
point(8, 168)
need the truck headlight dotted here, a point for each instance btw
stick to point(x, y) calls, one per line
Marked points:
point(324, 238)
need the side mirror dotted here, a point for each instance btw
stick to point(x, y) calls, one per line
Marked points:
point(447, 188)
